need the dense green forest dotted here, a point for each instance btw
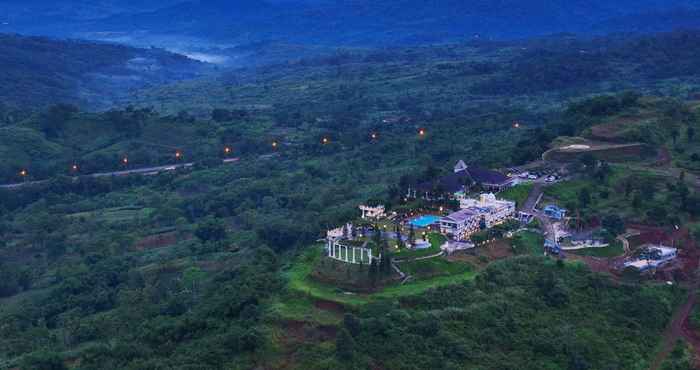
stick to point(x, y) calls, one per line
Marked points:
point(190, 268)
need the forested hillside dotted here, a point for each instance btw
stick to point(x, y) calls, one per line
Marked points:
point(39, 71)
point(217, 259)
point(229, 29)
point(535, 73)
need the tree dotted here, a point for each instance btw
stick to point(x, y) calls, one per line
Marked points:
point(352, 324)
point(373, 272)
point(211, 230)
point(584, 197)
point(411, 234)
point(43, 360)
point(614, 224)
point(386, 260)
point(345, 345)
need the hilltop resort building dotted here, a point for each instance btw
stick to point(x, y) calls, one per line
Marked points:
point(476, 214)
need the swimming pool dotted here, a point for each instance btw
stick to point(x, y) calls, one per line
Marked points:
point(425, 220)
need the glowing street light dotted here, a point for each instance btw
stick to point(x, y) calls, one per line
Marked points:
point(516, 124)
point(274, 144)
point(74, 168)
point(178, 154)
point(325, 140)
point(125, 160)
point(374, 136)
point(421, 132)
point(23, 173)
point(227, 150)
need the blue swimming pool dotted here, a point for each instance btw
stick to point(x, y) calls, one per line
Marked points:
point(425, 220)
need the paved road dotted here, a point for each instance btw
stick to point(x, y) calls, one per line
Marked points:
point(533, 198)
point(137, 171)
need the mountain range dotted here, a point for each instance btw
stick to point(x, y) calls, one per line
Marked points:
point(202, 27)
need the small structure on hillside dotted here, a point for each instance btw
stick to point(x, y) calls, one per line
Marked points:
point(462, 179)
point(342, 246)
point(652, 256)
point(493, 211)
point(554, 212)
point(372, 212)
point(476, 214)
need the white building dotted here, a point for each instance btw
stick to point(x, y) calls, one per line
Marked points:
point(461, 224)
point(376, 212)
point(346, 231)
point(494, 211)
point(653, 257)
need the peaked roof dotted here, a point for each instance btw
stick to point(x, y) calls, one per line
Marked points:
point(485, 176)
point(451, 183)
point(460, 166)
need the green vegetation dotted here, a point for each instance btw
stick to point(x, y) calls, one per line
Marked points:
point(40, 71)
point(517, 194)
point(681, 358)
point(434, 267)
point(567, 306)
point(528, 243)
point(212, 267)
point(436, 241)
point(613, 250)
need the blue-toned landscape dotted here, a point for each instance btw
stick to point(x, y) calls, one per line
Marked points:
point(350, 184)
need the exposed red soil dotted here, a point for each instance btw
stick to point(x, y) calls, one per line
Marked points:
point(329, 306)
point(685, 267)
point(497, 250)
point(156, 241)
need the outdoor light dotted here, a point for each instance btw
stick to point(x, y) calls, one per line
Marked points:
point(421, 132)
point(125, 160)
point(516, 125)
point(274, 144)
point(23, 173)
point(325, 140)
point(74, 167)
point(374, 136)
point(178, 155)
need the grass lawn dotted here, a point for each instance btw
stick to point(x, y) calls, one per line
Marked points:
point(517, 194)
point(300, 283)
point(298, 307)
point(434, 267)
point(528, 242)
point(613, 250)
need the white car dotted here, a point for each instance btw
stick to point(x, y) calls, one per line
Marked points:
point(532, 177)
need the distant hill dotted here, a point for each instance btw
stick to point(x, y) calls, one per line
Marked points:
point(220, 28)
point(39, 71)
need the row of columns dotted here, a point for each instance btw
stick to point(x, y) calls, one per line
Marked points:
point(335, 251)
